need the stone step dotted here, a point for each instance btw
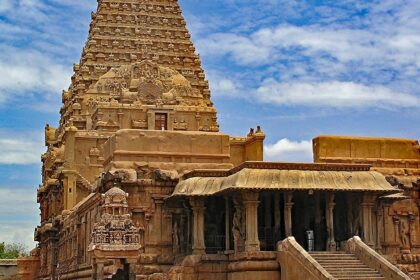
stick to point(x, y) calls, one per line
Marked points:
point(335, 257)
point(338, 253)
point(337, 260)
point(346, 269)
point(344, 266)
point(361, 278)
point(356, 273)
point(340, 262)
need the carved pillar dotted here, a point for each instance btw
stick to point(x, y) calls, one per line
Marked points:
point(227, 224)
point(379, 227)
point(199, 247)
point(388, 231)
point(100, 270)
point(413, 219)
point(120, 116)
point(288, 204)
point(396, 220)
point(250, 201)
point(238, 224)
point(331, 245)
point(94, 271)
point(367, 206)
point(155, 236)
point(277, 215)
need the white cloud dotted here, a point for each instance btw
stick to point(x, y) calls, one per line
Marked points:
point(39, 41)
point(289, 151)
point(20, 148)
point(269, 45)
point(333, 94)
point(18, 233)
point(18, 216)
point(25, 72)
point(222, 86)
point(243, 49)
point(350, 53)
point(5, 5)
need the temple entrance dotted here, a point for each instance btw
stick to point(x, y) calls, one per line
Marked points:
point(214, 225)
point(346, 217)
point(270, 220)
point(123, 273)
point(309, 213)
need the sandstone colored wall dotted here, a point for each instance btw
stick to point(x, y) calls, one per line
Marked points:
point(8, 269)
point(168, 150)
point(365, 149)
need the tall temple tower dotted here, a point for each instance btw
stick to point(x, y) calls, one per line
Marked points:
point(138, 70)
point(138, 182)
point(137, 116)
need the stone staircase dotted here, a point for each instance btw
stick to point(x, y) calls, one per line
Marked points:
point(345, 266)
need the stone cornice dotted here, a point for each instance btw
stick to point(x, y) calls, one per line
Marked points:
point(280, 166)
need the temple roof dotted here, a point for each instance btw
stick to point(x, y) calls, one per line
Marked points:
point(285, 178)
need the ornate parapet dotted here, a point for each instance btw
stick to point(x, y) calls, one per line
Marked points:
point(115, 236)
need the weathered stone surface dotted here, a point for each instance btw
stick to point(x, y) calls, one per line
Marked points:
point(137, 119)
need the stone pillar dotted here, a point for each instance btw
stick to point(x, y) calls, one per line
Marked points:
point(331, 245)
point(199, 247)
point(288, 204)
point(277, 215)
point(227, 224)
point(397, 240)
point(100, 270)
point(388, 231)
point(413, 220)
point(94, 271)
point(379, 227)
point(367, 206)
point(250, 201)
point(318, 229)
point(158, 220)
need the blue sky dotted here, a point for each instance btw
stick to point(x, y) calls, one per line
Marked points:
point(298, 68)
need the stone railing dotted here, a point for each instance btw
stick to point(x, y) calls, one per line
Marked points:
point(296, 263)
point(374, 260)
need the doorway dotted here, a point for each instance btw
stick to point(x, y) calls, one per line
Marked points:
point(161, 121)
point(308, 214)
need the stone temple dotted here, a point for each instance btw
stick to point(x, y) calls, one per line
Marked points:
point(138, 182)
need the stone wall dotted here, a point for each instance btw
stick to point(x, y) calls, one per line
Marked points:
point(8, 269)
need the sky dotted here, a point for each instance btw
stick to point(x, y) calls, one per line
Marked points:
point(298, 68)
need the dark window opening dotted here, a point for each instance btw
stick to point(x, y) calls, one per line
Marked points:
point(161, 121)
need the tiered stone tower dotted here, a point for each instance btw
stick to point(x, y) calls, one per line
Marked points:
point(147, 37)
point(138, 70)
point(138, 105)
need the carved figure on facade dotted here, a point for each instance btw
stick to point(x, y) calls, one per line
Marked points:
point(115, 226)
point(238, 227)
point(405, 233)
point(148, 83)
